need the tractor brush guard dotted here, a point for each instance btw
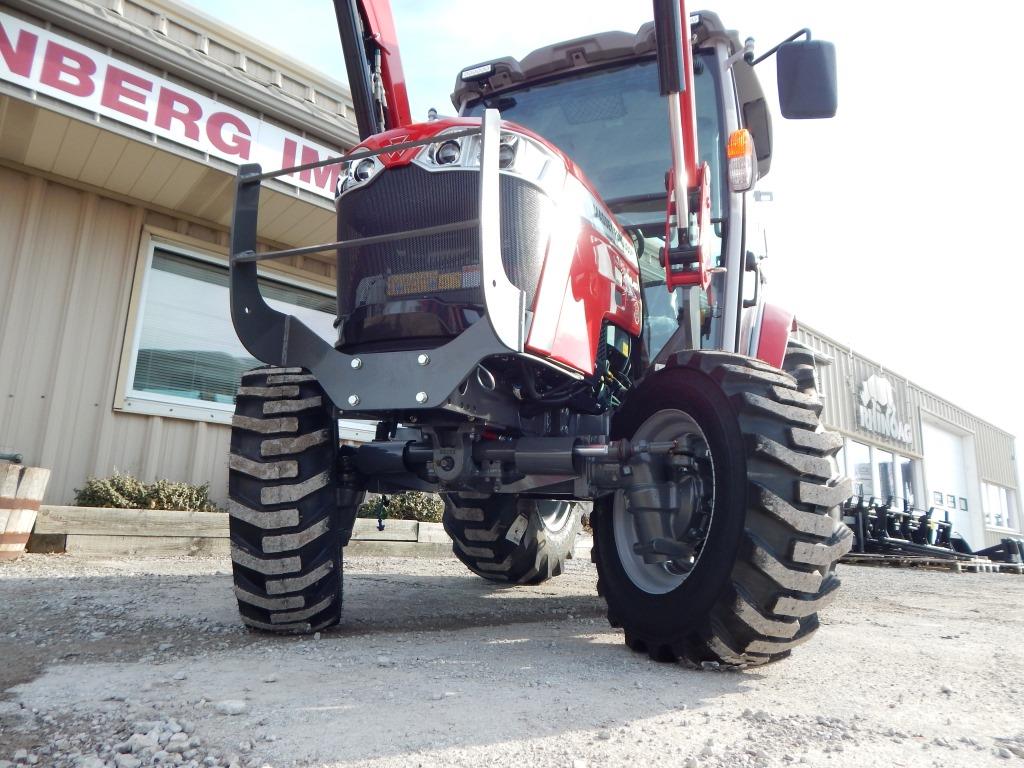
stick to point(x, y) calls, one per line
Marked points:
point(404, 380)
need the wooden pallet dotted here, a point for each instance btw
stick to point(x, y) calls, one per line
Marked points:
point(1017, 568)
point(976, 565)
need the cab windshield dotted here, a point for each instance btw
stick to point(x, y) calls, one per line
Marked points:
point(613, 123)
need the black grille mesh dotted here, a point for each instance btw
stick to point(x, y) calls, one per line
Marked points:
point(383, 277)
point(521, 220)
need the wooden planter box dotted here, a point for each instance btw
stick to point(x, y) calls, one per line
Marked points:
point(108, 532)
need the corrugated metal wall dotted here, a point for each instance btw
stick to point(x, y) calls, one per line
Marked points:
point(841, 381)
point(67, 263)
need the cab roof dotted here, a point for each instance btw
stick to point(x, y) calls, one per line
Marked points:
point(496, 75)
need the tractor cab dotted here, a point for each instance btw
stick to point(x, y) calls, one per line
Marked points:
point(601, 100)
point(598, 100)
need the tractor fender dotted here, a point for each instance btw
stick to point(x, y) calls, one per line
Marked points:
point(773, 334)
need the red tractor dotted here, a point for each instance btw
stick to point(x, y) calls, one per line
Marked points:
point(552, 301)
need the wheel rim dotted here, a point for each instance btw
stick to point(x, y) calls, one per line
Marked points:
point(660, 578)
point(554, 515)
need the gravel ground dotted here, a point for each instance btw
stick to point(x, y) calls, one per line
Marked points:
point(128, 662)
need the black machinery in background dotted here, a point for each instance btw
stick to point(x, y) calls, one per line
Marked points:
point(893, 527)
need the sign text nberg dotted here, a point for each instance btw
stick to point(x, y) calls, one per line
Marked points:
point(42, 61)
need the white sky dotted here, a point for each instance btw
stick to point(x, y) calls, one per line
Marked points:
point(893, 224)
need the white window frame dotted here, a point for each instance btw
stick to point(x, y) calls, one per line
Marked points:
point(150, 404)
point(1011, 512)
point(848, 469)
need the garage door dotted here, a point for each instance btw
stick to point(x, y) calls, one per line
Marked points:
point(946, 476)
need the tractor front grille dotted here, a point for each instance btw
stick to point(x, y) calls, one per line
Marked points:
point(424, 290)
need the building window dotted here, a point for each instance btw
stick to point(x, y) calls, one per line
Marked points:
point(1000, 506)
point(886, 474)
point(858, 467)
point(186, 360)
point(905, 479)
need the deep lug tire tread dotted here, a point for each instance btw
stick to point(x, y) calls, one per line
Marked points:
point(286, 548)
point(479, 529)
point(790, 542)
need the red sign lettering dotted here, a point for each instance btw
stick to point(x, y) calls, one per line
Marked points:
point(116, 90)
point(172, 105)
point(95, 81)
point(18, 58)
point(234, 144)
point(68, 70)
point(288, 154)
point(325, 177)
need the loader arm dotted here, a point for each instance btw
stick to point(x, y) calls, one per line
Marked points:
point(373, 64)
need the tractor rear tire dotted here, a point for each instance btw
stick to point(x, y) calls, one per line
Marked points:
point(286, 542)
point(766, 563)
point(511, 538)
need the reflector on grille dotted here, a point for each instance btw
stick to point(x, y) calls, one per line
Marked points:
point(433, 281)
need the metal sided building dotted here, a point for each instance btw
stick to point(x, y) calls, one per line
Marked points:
point(122, 124)
point(905, 442)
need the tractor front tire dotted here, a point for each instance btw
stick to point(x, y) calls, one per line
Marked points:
point(511, 538)
point(766, 563)
point(286, 543)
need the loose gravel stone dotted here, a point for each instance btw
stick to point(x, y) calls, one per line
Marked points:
point(231, 707)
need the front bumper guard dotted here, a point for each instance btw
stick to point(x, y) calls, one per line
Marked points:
point(382, 381)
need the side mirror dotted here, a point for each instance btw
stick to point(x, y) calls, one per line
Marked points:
point(807, 79)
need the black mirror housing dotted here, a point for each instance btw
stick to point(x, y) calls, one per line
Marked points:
point(806, 72)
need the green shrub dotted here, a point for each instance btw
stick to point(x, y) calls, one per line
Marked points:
point(163, 494)
point(126, 492)
point(118, 490)
point(412, 505)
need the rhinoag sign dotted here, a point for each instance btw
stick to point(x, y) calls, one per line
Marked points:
point(877, 410)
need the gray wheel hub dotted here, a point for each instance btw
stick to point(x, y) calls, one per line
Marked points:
point(686, 518)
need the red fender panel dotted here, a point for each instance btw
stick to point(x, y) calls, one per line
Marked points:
point(776, 325)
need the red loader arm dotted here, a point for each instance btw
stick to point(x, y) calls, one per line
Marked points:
point(370, 45)
point(689, 185)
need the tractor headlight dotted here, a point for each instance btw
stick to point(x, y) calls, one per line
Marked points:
point(357, 173)
point(507, 151)
point(364, 170)
point(448, 152)
point(517, 154)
